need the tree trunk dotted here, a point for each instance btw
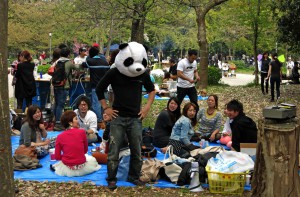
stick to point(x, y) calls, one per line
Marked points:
point(138, 23)
point(255, 38)
point(277, 161)
point(6, 170)
point(202, 42)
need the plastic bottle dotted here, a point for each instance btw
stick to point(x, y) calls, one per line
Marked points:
point(35, 74)
point(41, 75)
point(202, 143)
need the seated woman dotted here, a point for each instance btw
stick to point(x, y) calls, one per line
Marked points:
point(33, 132)
point(226, 133)
point(183, 130)
point(71, 148)
point(210, 120)
point(164, 124)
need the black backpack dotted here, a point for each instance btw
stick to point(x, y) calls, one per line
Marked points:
point(59, 77)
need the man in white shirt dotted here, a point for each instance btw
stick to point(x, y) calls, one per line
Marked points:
point(81, 57)
point(289, 66)
point(187, 77)
point(87, 119)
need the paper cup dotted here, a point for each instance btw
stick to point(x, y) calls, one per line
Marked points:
point(52, 154)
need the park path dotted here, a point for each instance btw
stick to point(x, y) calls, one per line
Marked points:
point(239, 80)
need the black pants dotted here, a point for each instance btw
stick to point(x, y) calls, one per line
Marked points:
point(263, 76)
point(273, 81)
point(20, 102)
point(190, 92)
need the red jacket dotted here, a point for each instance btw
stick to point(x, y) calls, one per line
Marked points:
point(71, 147)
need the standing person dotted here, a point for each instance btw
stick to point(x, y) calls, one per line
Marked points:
point(33, 132)
point(276, 76)
point(164, 124)
point(289, 66)
point(173, 69)
point(265, 61)
point(61, 91)
point(97, 67)
point(25, 87)
point(183, 130)
point(295, 73)
point(126, 113)
point(210, 120)
point(71, 148)
point(81, 57)
point(87, 119)
point(187, 76)
point(243, 128)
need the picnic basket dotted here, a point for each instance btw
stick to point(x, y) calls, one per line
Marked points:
point(226, 183)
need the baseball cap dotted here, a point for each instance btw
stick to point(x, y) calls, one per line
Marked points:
point(95, 44)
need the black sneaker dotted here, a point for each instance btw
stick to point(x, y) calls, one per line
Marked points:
point(112, 185)
point(52, 168)
point(138, 182)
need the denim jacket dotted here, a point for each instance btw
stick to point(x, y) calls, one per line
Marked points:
point(182, 130)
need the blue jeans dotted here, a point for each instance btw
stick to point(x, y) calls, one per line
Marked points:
point(118, 128)
point(96, 106)
point(60, 96)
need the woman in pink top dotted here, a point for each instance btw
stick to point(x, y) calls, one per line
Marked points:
point(71, 148)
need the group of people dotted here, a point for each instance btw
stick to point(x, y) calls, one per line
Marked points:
point(178, 129)
point(126, 79)
point(271, 70)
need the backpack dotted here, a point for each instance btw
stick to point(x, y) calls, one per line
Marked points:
point(59, 77)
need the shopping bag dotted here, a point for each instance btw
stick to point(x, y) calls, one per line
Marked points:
point(172, 170)
point(150, 170)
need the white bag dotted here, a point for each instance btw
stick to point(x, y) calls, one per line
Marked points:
point(231, 162)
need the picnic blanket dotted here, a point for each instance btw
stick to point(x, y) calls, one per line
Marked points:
point(98, 178)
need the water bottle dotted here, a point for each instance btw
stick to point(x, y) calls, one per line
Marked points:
point(35, 72)
point(41, 75)
point(202, 143)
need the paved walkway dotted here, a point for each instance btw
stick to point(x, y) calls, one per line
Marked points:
point(239, 80)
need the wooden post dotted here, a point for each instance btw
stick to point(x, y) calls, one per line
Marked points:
point(277, 162)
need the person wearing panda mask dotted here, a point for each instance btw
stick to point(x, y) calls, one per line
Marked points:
point(126, 79)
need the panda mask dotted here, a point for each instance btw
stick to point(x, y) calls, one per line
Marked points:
point(132, 59)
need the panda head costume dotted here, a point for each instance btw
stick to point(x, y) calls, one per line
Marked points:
point(132, 59)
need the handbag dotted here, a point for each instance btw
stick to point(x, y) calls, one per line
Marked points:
point(172, 170)
point(150, 170)
point(51, 70)
point(14, 81)
point(27, 151)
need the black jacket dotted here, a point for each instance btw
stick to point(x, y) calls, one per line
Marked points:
point(25, 86)
point(244, 130)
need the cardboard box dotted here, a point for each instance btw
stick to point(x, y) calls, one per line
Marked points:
point(248, 148)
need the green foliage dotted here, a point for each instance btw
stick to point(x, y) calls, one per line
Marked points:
point(214, 75)
point(239, 63)
point(43, 68)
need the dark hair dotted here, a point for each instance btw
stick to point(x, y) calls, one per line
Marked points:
point(192, 52)
point(67, 117)
point(56, 54)
point(62, 45)
point(172, 60)
point(275, 57)
point(216, 100)
point(29, 117)
point(93, 52)
point(85, 99)
point(175, 115)
point(186, 108)
point(26, 55)
point(167, 75)
point(82, 49)
point(113, 56)
point(19, 55)
point(235, 105)
point(65, 52)
point(266, 53)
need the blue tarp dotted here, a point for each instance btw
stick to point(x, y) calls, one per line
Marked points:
point(112, 47)
point(45, 174)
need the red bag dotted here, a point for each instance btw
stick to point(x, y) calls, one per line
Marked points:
point(51, 70)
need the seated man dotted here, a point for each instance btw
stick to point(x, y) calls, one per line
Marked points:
point(87, 119)
point(243, 128)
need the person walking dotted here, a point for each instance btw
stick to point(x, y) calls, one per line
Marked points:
point(275, 75)
point(187, 77)
point(265, 61)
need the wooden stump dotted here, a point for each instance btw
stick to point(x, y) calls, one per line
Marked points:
point(277, 162)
